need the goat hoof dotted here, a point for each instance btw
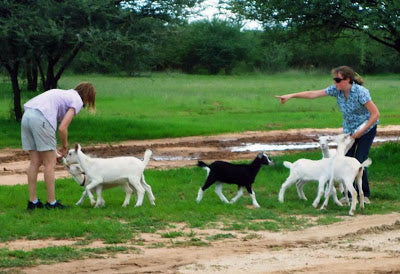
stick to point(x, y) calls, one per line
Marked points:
point(315, 205)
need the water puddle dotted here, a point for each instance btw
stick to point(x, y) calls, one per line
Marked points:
point(257, 147)
point(172, 158)
point(293, 146)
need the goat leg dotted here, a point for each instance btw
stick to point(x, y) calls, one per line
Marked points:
point(84, 194)
point(238, 195)
point(218, 190)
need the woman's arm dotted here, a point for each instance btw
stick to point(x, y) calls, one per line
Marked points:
point(63, 130)
point(311, 94)
point(373, 109)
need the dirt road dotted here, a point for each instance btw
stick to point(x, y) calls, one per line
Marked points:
point(176, 152)
point(360, 244)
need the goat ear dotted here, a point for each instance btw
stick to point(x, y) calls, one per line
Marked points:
point(77, 147)
point(315, 139)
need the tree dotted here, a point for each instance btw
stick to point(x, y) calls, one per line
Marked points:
point(378, 19)
point(48, 34)
point(13, 46)
point(213, 45)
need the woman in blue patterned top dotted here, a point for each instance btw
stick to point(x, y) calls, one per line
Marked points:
point(357, 107)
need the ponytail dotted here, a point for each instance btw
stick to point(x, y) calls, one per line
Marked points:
point(358, 79)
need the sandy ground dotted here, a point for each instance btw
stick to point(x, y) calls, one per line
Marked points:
point(360, 244)
point(177, 152)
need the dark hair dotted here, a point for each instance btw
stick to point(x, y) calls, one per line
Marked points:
point(349, 73)
point(88, 94)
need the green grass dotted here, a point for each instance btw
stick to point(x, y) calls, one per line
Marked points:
point(175, 192)
point(173, 105)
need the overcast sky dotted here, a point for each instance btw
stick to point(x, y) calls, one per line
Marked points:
point(211, 10)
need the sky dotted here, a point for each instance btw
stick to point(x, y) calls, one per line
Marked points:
point(211, 10)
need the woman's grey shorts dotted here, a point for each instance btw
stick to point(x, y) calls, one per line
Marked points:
point(36, 132)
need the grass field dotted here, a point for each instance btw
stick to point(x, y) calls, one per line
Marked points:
point(175, 192)
point(181, 105)
point(172, 105)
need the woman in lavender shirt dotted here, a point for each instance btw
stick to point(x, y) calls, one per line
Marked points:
point(38, 134)
point(357, 107)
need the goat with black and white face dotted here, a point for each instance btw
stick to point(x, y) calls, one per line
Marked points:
point(243, 175)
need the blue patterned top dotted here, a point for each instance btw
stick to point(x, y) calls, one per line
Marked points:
point(353, 109)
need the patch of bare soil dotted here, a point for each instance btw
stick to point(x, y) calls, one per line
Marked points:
point(360, 244)
point(176, 152)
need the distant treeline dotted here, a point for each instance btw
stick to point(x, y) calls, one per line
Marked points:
point(218, 46)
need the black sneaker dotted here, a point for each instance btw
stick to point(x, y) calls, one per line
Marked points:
point(57, 205)
point(32, 206)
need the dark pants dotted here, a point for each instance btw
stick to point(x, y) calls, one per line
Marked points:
point(360, 151)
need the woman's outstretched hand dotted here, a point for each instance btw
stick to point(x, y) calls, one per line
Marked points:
point(282, 98)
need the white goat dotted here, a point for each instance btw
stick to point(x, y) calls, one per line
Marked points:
point(346, 169)
point(323, 142)
point(80, 177)
point(126, 172)
point(303, 171)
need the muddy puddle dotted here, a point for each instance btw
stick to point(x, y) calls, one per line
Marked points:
point(296, 146)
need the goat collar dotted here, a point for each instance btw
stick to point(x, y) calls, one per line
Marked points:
point(84, 179)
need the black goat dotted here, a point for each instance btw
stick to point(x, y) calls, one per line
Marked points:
point(242, 175)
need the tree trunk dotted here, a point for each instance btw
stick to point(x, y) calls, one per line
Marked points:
point(13, 71)
point(32, 76)
point(50, 81)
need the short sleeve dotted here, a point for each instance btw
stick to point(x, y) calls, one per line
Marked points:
point(331, 91)
point(364, 96)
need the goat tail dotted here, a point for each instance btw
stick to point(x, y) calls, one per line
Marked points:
point(287, 164)
point(201, 164)
point(147, 155)
point(366, 163)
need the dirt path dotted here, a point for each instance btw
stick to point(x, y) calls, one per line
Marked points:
point(361, 244)
point(175, 152)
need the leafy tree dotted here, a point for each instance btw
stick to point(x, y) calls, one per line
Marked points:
point(48, 34)
point(13, 45)
point(378, 19)
point(213, 45)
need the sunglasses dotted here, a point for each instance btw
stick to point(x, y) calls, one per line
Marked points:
point(337, 79)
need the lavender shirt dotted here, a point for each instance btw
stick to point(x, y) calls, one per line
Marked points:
point(54, 103)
